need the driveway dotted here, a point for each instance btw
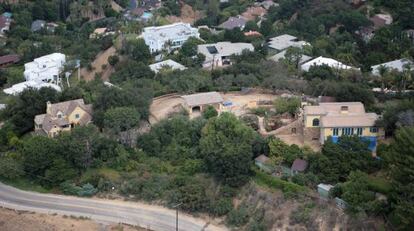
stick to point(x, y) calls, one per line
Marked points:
point(106, 211)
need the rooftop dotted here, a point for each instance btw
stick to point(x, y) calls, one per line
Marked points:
point(156, 67)
point(281, 55)
point(9, 58)
point(335, 108)
point(262, 159)
point(202, 98)
point(285, 41)
point(223, 49)
point(170, 31)
point(359, 120)
point(299, 165)
point(20, 87)
point(233, 22)
point(325, 61)
point(397, 65)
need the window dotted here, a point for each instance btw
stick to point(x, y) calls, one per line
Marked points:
point(359, 131)
point(77, 116)
point(315, 122)
point(335, 131)
point(373, 130)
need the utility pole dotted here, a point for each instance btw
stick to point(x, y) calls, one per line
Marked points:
point(176, 215)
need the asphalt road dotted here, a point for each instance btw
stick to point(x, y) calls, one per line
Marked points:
point(106, 211)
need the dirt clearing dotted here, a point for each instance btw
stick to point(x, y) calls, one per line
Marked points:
point(12, 220)
point(100, 60)
point(188, 15)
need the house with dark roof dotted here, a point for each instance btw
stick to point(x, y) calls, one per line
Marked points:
point(37, 25)
point(7, 60)
point(63, 116)
point(233, 22)
point(299, 166)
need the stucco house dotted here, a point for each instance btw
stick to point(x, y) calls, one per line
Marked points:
point(169, 36)
point(196, 103)
point(333, 120)
point(63, 116)
point(219, 54)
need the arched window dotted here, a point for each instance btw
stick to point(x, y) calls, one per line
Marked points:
point(315, 122)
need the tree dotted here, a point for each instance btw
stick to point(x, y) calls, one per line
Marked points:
point(121, 119)
point(226, 148)
point(339, 159)
point(113, 60)
point(293, 56)
point(38, 154)
point(280, 152)
point(209, 112)
point(358, 196)
point(10, 168)
point(189, 48)
point(287, 105)
point(234, 35)
point(137, 50)
point(401, 162)
point(22, 109)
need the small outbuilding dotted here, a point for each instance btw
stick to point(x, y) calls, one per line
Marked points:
point(263, 162)
point(299, 166)
point(323, 190)
point(196, 103)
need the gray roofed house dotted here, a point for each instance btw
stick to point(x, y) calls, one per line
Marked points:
point(397, 65)
point(219, 54)
point(281, 55)
point(233, 22)
point(37, 25)
point(196, 103)
point(285, 41)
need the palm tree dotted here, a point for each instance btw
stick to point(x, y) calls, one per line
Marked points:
point(383, 71)
point(406, 75)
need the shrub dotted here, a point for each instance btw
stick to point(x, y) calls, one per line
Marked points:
point(87, 190)
point(210, 112)
point(69, 188)
point(238, 217)
point(10, 168)
point(221, 207)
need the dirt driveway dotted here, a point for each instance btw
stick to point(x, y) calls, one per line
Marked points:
point(162, 106)
point(12, 220)
point(101, 59)
point(242, 102)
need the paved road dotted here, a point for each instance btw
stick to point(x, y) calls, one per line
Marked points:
point(108, 211)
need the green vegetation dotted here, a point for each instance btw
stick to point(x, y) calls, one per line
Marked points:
point(288, 188)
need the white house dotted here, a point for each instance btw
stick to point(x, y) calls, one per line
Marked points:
point(169, 36)
point(20, 87)
point(218, 54)
point(325, 61)
point(397, 65)
point(45, 69)
point(156, 67)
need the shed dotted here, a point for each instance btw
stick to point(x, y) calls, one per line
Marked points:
point(323, 190)
point(299, 166)
point(196, 103)
point(263, 162)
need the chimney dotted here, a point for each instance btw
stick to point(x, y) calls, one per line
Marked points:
point(344, 109)
point(48, 107)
